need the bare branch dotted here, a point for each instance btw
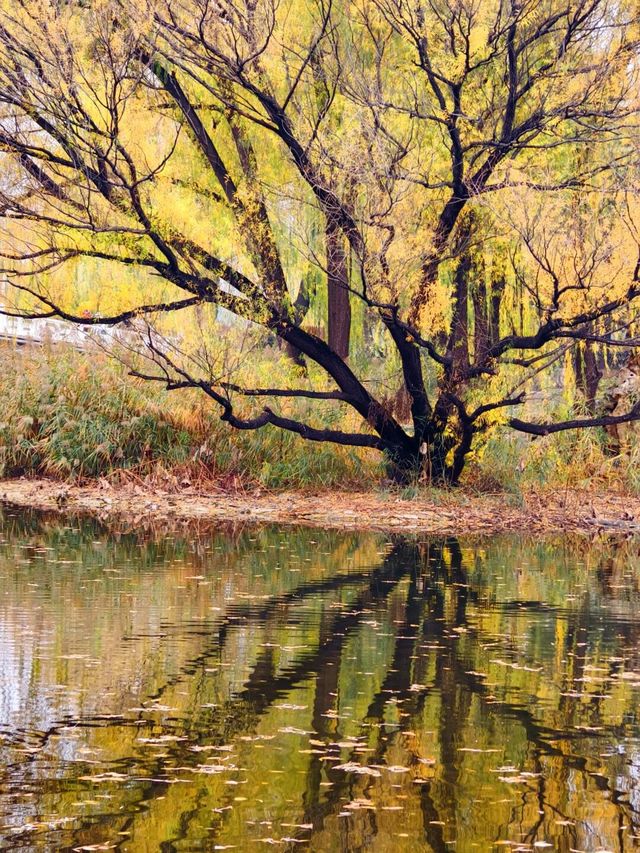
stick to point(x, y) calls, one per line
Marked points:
point(580, 423)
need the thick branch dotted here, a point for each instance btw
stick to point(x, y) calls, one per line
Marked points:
point(580, 423)
point(267, 416)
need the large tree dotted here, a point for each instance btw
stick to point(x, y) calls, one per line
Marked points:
point(467, 170)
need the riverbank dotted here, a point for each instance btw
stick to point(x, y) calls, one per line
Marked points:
point(435, 512)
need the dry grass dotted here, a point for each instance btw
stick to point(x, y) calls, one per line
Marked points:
point(74, 419)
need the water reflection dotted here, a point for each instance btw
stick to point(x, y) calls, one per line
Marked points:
point(303, 688)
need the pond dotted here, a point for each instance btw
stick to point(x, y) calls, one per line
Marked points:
point(239, 689)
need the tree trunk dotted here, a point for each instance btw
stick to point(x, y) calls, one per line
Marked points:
point(498, 285)
point(300, 310)
point(429, 462)
point(588, 373)
point(459, 334)
point(339, 304)
point(480, 311)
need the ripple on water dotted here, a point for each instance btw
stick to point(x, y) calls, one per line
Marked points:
point(314, 689)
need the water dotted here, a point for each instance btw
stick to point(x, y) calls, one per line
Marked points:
point(314, 690)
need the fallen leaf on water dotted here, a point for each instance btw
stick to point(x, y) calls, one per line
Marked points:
point(161, 739)
point(517, 780)
point(105, 777)
point(352, 767)
point(476, 749)
point(360, 803)
point(106, 846)
point(213, 768)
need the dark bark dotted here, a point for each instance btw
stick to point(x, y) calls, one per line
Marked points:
point(300, 309)
point(481, 333)
point(498, 285)
point(446, 224)
point(339, 303)
point(393, 437)
point(459, 335)
point(413, 377)
point(578, 423)
point(588, 373)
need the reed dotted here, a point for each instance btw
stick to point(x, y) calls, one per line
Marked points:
point(67, 418)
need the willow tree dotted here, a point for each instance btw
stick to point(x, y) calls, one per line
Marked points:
point(428, 141)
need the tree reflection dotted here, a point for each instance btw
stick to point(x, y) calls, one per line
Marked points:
point(342, 692)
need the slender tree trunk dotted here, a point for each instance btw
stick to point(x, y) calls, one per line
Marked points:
point(498, 285)
point(459, 334)
point(588, 373)
point(480, 311)
point(339, 304)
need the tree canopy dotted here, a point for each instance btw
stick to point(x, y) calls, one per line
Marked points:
point(461, 174)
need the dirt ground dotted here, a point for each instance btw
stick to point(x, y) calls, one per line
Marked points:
point(435, 512)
